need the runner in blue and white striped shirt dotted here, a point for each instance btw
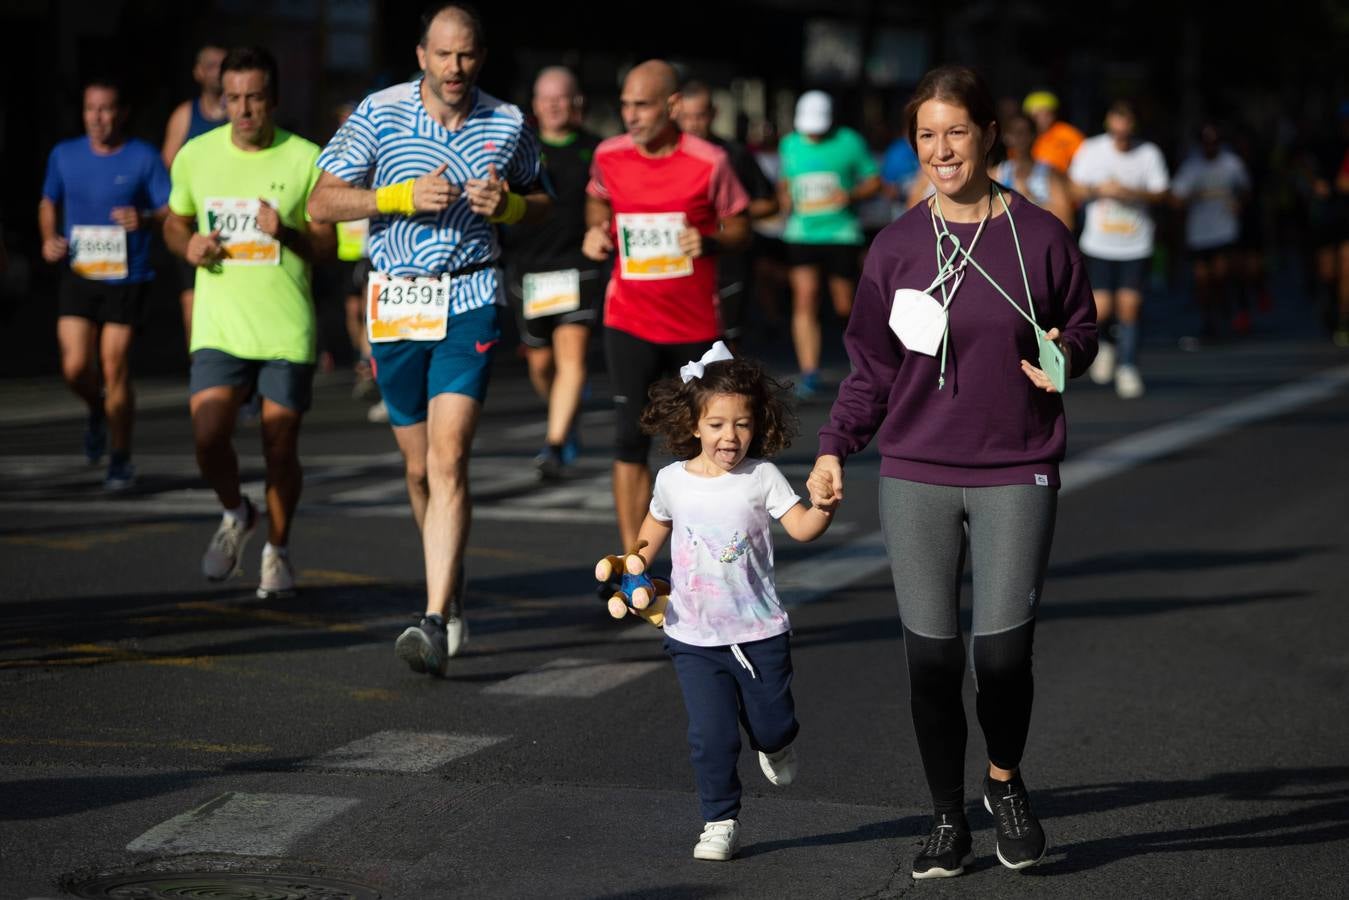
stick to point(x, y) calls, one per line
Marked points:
point(434, 164)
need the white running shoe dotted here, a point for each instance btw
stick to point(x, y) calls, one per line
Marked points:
point(278, 581)
point(1128, 383)
point(1102, 369)
point(456, 628)
point(221, 559)
point(719, 840)
point(377, 413)
point(780, 767)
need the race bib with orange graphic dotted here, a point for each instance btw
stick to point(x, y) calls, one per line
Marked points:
point(245, 243)
point(98, 252)
point(648, 246)
point(406, 309)
point(551, 293)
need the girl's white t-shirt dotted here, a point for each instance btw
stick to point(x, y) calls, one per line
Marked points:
point(721, 552)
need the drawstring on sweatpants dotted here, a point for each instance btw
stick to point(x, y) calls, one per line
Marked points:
point(741, 658)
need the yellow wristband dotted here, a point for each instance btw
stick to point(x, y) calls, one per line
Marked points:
point(396, 198)
point(514, 211)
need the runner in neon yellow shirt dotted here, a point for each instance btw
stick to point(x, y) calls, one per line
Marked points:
point(237, 213)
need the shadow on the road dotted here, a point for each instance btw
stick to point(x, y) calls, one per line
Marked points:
point(45, 798)
point(225, 621)
point(1313, 809)
point(890, 829)
point(1182, 560)
point(1121, 607)
point(671, 892)
point(855, 631)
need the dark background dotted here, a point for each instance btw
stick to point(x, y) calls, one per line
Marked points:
point(1275, 76)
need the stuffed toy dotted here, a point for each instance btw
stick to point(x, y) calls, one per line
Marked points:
point(637, 593)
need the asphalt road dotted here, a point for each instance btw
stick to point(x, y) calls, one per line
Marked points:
point(1189, 735)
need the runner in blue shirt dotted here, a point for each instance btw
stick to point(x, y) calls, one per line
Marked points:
point(434, 164)
point(102, 197)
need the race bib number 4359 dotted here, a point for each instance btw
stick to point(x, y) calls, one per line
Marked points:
point(245, 244)
point(648, 246)
point(406, 309)
point(98, 252)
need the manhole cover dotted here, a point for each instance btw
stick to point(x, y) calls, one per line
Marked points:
point(222, 885)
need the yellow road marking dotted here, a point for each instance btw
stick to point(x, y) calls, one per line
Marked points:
point(82, 542)
point(335, 576)
point(272, 615)
point(97, 654)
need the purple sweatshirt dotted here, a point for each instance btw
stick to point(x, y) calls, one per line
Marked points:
point(989, 425)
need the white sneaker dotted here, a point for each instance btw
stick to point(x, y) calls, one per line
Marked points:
point(221, 559)
point(278, 581)
point(456, 635)
point(377, 413)
point(719, 840)
point(1102, 369)
point(456, 628)
point(780, 767)
point(1128, 383)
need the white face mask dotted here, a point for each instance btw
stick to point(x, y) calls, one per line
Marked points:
point(918, 320)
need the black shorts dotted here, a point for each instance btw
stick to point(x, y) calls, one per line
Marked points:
point(538, 332)
point(1117, 274)
point(121, 303)
point(281, 381)
point(635, 365)
point(773, 249)
point(833, 260)
point(1208, 254)
point(352, 277)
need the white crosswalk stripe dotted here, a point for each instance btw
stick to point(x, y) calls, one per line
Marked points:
point(577, 678)
point(403, 751)
point(243, 824)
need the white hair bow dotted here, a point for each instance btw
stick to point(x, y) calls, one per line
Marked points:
point(719, 353)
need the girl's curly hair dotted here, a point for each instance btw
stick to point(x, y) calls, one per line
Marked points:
point(676, 406)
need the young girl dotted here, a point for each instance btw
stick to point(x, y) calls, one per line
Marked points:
point(724, 628)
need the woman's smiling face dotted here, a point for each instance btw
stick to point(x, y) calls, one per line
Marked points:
point(952, 148)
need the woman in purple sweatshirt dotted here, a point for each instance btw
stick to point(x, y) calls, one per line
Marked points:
point(960, 392)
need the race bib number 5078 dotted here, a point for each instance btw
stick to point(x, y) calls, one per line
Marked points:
point(246, 244)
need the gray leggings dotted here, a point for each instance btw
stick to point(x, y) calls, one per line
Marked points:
point(1007, 532)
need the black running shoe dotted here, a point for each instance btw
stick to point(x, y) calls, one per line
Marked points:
point(948, 848)
point(1021, 840)
point(423, 647)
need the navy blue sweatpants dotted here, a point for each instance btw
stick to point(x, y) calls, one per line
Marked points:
point(721, 695)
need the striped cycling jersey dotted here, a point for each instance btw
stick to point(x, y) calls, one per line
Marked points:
point(391, 138)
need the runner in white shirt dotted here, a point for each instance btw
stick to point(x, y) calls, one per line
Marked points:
point(1212, 186)
point(1118, 178)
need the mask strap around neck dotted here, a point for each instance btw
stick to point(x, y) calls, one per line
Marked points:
point(948, 267)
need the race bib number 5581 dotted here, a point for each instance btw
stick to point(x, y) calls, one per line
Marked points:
point(648, 246)
point(236, 219)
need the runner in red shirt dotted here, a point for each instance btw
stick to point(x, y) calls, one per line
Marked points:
point(663, 204)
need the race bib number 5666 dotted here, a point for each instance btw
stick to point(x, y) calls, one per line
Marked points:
point(98, 252)
point(648, 246)
point(246, 244)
